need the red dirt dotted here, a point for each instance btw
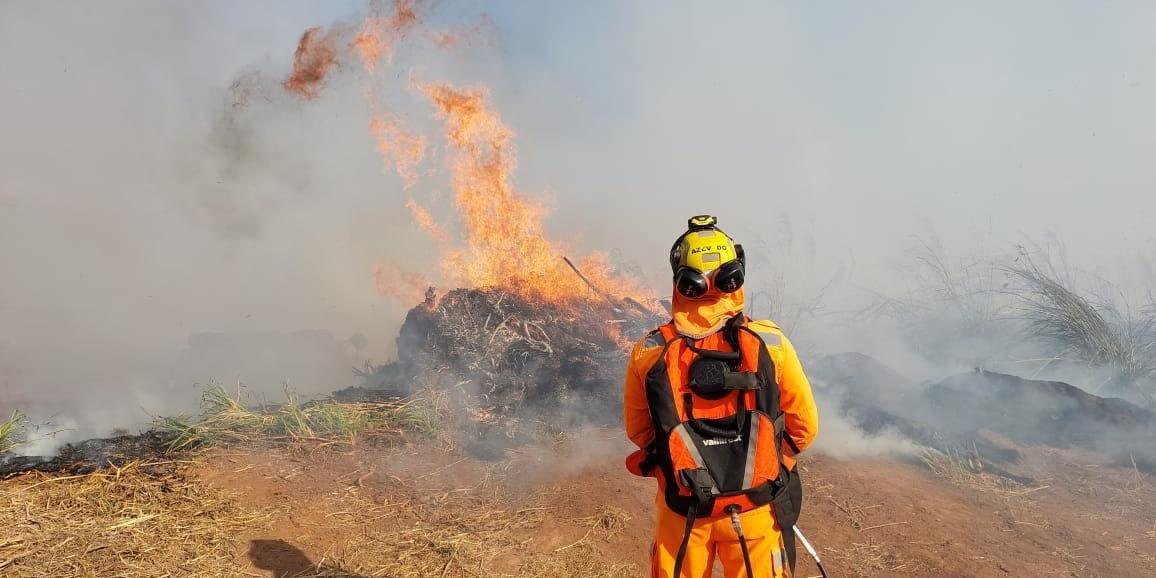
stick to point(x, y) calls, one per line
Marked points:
point(878, 517)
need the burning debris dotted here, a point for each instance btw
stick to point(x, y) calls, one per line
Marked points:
point(316, 54)
point(514, 357)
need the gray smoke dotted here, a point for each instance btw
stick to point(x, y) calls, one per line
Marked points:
point(169, 216)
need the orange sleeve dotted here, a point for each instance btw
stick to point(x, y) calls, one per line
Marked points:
point(800, 416)
point(639, 425)
point(797, 401)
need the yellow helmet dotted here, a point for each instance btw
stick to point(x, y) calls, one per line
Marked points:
point(704, 253)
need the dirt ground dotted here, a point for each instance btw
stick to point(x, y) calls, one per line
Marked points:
point(332, 512)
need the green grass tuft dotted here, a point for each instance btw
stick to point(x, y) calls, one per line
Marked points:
point(226, 419)
point(12, 432)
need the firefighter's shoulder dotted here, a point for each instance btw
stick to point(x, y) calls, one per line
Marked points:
point(650, 344)
point(768, 331)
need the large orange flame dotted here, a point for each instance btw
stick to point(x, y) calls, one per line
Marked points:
point(502, 240)
point(505, 239)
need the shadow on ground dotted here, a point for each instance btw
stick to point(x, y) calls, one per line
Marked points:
point(284, 560)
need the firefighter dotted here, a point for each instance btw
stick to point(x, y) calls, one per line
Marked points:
point(719, 406)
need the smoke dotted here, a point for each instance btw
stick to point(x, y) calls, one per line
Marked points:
point(158, 182)
point(842, 439)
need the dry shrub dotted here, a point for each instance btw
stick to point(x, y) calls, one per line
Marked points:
point(138, 519)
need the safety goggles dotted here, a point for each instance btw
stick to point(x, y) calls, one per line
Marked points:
point(728, 278)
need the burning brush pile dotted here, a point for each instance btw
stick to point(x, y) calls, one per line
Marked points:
point(526, 332)
point(510, 358)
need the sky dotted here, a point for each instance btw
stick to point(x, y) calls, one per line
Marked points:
point(829, 136)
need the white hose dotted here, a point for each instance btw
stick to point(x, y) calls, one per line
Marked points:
point(810, 550)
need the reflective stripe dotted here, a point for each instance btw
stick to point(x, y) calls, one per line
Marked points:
point(752, 449)
point(690, 447)
point(770, 338)
point(654, 340)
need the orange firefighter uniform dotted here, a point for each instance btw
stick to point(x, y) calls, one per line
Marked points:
point(700, 321)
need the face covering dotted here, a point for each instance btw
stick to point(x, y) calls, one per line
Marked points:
point(697, 318)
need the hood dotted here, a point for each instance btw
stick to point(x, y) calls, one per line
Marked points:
point(697, 318)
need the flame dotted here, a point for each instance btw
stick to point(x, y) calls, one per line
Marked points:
point(379, 35)
point(505, 239)
point(370, 46)
point(502, 240)
point(400, 148)
point(506, 245)
point(316, 54)
point(396, 283)
point(425, 221)
point(481, 32)
point(404, 14)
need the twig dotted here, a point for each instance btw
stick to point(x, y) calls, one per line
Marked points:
point(882, 526)
point(439, 470)
point(1031, 490)
point(583, 539)
point(574, 268)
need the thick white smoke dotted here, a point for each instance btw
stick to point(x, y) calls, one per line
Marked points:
point(139, 206)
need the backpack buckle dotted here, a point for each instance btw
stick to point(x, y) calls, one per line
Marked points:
point(701, 484)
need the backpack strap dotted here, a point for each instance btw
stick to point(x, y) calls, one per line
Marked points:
point(681, 556)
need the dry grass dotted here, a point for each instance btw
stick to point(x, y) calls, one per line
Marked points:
point(473, 533)
point(158, 519)
point(12, 431)
point(155, 519)
point(967, 471)
point(226, 419)
point(867, 559)
point(135, 520)
point(1097, 334)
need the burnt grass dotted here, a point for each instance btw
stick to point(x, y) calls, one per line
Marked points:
point(957, 415)
point(90, 455)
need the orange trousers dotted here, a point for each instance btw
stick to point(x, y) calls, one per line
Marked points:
point(715, 537)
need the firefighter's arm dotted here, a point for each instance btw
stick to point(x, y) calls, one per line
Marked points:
point(797, 401)
point(800, 416)
point(639, 426)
